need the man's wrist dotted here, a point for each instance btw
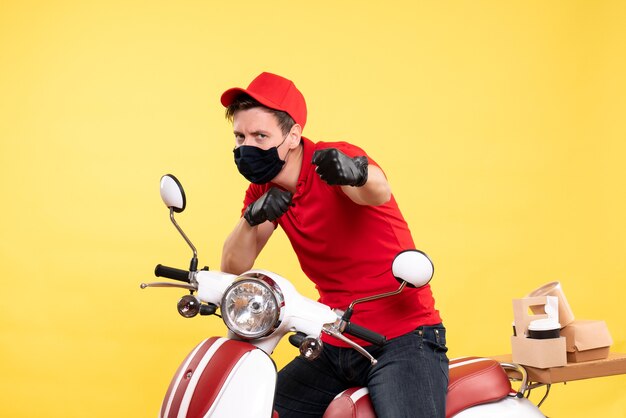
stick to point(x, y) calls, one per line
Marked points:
point(361, 164)
point(247, 215)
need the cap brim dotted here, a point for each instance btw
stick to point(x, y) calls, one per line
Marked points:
point(229, 96)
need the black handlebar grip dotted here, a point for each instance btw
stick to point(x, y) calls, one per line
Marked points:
point(171, 273)
point(365, 334)
point(297, 339)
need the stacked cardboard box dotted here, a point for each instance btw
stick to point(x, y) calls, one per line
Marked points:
point(579, 341)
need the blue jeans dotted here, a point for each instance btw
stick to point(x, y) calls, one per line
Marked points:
point(409, 380)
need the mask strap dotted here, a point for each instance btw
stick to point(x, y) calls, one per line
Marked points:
point(288, 151)
point(284, 139)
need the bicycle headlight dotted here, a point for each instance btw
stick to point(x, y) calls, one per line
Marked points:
point(251, 306)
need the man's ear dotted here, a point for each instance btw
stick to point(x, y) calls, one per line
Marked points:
point(294, 136)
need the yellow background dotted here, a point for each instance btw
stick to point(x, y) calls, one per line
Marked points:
point(499, 124)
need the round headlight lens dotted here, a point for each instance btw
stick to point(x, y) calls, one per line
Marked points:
point(251, 307)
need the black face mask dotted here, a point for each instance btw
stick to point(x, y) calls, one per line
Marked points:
point(257, 165)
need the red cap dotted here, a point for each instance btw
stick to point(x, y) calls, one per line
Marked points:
point(275, 92)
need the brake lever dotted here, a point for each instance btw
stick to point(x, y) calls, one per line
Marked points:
point(168, 284)
point(331, 330)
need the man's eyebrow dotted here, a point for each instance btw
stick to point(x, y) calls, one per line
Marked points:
point(253, 133)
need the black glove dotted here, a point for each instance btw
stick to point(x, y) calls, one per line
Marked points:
point(268, 207)
point(336, 168)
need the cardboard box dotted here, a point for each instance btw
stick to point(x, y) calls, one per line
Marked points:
point(587, 340)
point(532, 352)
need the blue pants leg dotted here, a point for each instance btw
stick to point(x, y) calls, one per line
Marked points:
point(409, 380)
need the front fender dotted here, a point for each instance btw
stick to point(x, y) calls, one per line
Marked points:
point(222, 378)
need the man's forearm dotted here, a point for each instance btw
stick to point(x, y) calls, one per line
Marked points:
point(376, 191)
point(240, 249)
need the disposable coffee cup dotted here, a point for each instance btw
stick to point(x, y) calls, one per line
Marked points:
point(543, 329)
point(566, 316)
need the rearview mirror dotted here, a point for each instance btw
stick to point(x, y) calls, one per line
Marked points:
point(413, 267)
point(172, 193)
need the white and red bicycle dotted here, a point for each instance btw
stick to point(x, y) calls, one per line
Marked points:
point(234, 375)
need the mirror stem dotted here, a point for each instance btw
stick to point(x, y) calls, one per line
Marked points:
point(348, 313)
point(375, 297)
point(194, 260)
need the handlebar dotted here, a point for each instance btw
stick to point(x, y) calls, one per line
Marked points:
point(297, 339)
point(365, 334)
point(171, 273)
